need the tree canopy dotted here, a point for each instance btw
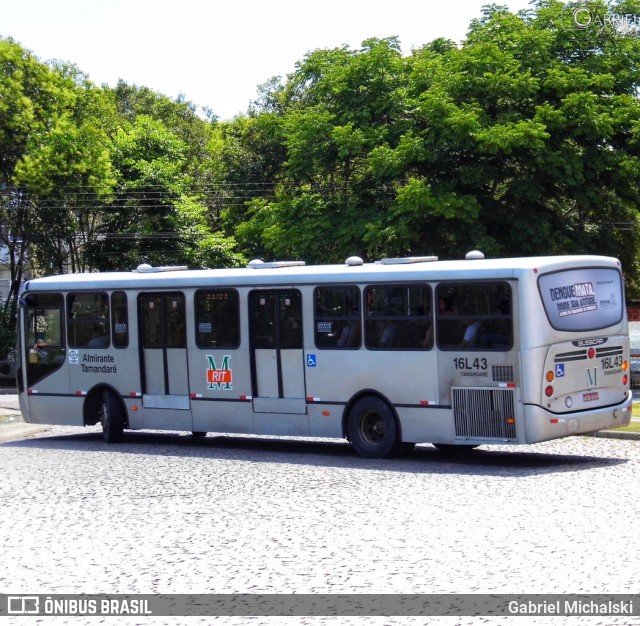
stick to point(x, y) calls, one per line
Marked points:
point(522, 140)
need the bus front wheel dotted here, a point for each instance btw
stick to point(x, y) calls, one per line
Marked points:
point(112, 418)
point(372, 428)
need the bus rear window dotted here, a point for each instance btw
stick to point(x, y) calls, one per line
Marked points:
point(580, 300)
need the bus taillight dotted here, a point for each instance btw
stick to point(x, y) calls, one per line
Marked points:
point(549, 391)
point(550, 376)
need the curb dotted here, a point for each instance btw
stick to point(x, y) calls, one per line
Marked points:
point(615, 434)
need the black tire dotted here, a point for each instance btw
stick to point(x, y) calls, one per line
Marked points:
point(372, 428)
point(112, 418)
point(198, 434)
point(450, 448)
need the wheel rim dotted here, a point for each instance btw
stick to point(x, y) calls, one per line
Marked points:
point(372, 427)
point(104, 415)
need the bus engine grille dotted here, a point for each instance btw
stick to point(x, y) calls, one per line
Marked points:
point(484, 413)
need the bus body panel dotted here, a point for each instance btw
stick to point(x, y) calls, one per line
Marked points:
point(427, 425)
point(543, 425)
point(222, 416)
point(88, 368)
point(53, 409)
point(135, 415)
point(48, 401)
point(220, 384)
point(294, 424)
point(325, 420)
point(175, 417)
point(339, 375)
point(587, 375)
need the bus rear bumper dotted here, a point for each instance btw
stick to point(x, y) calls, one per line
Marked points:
point(543, 425)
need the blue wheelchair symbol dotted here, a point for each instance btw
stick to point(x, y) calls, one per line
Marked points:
point(311, 360)
point(559, 370)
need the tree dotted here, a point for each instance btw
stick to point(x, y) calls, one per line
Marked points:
point(67, 171)
point(201, 162)
point(521, 141)
point(154, 217)
point(335, 108)
point(45, 143)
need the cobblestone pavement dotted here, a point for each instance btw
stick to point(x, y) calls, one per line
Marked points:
point(164, 513)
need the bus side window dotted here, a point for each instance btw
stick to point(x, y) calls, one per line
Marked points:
point(474, 316)
point(217, 318)
point(338, 322)
point(88, 320)
point(119, 319)
point(398, 317)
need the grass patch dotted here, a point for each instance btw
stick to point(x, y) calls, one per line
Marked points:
point(634, 427)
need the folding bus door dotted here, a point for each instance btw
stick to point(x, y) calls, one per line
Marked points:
point(163, 360)
point(277, 355)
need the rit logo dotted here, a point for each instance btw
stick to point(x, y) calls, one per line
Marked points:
point(219, 378)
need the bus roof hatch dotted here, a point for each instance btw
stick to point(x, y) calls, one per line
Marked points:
point(408, 259)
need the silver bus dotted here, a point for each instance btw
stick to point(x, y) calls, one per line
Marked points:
point(388, 354)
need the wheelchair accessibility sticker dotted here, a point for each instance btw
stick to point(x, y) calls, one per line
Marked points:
point(559, 370)
point(311, 360)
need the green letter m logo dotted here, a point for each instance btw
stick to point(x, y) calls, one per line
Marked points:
point(219, 378)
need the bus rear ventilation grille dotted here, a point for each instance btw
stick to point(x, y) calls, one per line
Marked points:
point(481, 413)
point(502, 373)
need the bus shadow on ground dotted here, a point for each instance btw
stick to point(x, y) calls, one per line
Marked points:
point(424, 458)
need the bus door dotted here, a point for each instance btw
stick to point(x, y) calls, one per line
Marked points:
point(163, 358)
point(277, 356)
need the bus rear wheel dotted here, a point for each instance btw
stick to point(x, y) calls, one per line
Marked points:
point(372, 428)
point(112, 418)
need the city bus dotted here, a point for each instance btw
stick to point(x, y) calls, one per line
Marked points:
point(386, 354)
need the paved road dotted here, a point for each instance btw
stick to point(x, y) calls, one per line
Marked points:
point(169, 514)
point(9, 401)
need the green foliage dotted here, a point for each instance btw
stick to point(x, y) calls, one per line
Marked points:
point(153, 216)
point(524, 140)
point(7, 331)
